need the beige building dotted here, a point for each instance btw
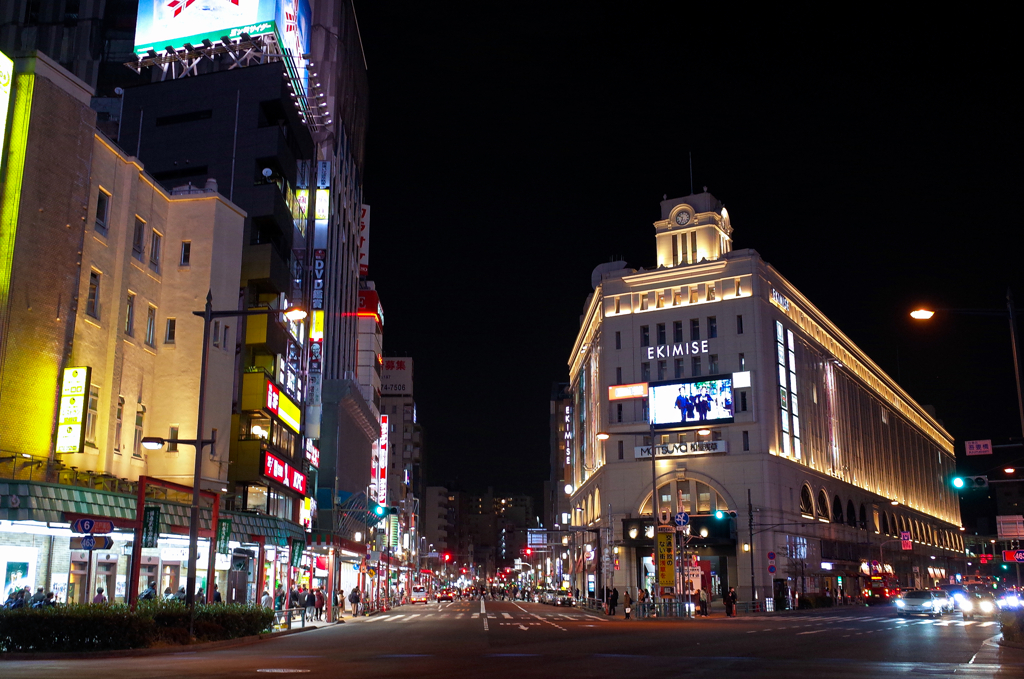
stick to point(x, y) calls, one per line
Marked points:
point(754, 394)
point(148, 260)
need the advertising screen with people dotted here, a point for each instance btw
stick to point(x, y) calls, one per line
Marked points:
point(693, 402)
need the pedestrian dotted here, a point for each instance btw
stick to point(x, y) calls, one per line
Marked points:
point(38, 597)
point(309, 601)
point(703, 592)
point(353, 599)
point(180, 594)
point(613, 601)
point(100, 598)
point(627, 603)
point(279, 599)
point(149, 593)
point(293, 597)
point(216, 594)
point(168, 594)
point(321, 601)
point(730, 603)
point(266, 601)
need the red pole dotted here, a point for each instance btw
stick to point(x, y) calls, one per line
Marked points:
point(136, 564)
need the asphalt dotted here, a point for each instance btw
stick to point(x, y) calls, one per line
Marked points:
point(522, 640)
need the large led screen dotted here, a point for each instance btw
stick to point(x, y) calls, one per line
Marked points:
point(172, 23)
point(694, 402)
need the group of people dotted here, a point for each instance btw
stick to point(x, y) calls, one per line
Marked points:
point(312, 599)
point(23, 598)
point(701, 404)
point(702, 595)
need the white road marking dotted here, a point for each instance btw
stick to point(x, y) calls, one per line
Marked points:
point(549, 622)
point(483, 614)
point(506, 615)
point(395, 618)
point(409, 619)
point(817, 631)
point(475, 615)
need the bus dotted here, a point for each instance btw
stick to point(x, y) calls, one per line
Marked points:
point(882, 588)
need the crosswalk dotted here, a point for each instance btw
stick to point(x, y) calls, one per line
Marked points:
point(400, 618)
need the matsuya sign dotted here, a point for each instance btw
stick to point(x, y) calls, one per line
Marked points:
point(685, 448)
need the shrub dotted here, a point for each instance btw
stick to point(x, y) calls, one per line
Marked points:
point(103, 628)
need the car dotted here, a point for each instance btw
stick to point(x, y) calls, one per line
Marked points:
point(1008, 600)
point(419, 595)
point(563, 598)
point(930, 602)
point(445, 595)
point(979, 604)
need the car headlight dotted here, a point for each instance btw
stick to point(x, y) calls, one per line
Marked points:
point(966, 605)
point(987, 607)
point(959, 597)
point(901, 603)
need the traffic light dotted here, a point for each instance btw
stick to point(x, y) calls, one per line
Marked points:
point(720, 514)
point(970, 483)
point(379, 510)
point(528, 551)
point(447, 557)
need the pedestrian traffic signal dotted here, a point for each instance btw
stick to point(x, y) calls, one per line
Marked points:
point(969, 483)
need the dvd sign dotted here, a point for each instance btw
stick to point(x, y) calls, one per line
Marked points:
point(319, 271)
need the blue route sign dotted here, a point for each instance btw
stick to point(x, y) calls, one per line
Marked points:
point(682, 519)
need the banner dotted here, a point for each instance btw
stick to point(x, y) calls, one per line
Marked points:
point(150, 526)
point(223, 536)
point(298, 546)
point(665, 550)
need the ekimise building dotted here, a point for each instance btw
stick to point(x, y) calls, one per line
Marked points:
point(755, 393)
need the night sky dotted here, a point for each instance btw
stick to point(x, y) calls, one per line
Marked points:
point(515, 146)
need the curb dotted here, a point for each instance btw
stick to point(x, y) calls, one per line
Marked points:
point(163, 650)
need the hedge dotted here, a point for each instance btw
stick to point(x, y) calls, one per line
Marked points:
point(99, 627)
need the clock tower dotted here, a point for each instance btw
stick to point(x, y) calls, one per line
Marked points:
point(692, 229)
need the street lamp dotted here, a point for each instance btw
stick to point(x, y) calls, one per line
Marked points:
point(208, 314)
point(1011, 313)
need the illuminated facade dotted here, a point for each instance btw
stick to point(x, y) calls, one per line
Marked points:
point(837, 458)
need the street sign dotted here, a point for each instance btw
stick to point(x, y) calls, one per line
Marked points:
point(771, 569)
point(666, 529)
point(1013, 555)
point(92, 542)
point(92, 526)
point(771, 556)
point(682, 518)
point(978, 447)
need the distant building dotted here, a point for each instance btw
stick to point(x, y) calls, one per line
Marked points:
point(556, 501)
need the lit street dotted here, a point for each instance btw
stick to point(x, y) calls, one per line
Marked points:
point(516, 639)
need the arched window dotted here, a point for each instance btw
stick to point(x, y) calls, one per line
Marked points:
point(806, 503)
point(885, 524)
point(851, 514)
point(590, 508)
point(863, 517)
point(822, 505)
point(597, 504)
point(837, 510)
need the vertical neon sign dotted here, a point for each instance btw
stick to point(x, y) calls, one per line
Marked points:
point(382, 462)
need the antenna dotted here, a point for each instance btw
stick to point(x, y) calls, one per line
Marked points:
point(691, 172)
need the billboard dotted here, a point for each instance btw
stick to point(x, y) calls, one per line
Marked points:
point(694, 402)
point(172, 23)
point(74, 397)
point(396, 380)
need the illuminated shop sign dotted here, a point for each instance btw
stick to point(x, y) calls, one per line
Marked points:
point(382, 462)
point(282, 406)
point(698, 401)
point(370, 307)
point(567, 436)
point(6, 84)
point(364, 241)
point(74, 396)
point(676, 350)
point(621, 391)
point(685, 448)
point(312, 454)
point(288, 476)
point(779, 300)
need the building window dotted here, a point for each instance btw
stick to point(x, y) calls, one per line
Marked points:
point(129, 315)
point(140, 417)
point(645, 336)
point(712, 327)
point(693, 294)
point(746, 440)
point(618, 339)
point(186, 253)
point(643, 302)
point(618, 412)
point(677, 332)
point(679, 368)
point(694, 329)
point(91, 415)
point(216, 333)
point(743, 401)
point(139, 238)
point(695, 366)
point(169, 334)
point(92, 304)
point(617, 301)
point(620, 450)
point(662, 369)
point(713, 364)
point(618, 376)
point(172, 435)
point(227, 329)
point(102, 211)
point(661, 334)
point(739, 287)
point(154, 251)
point(645, 372)
point(643, 412)
point(151, 326)
point(743, 362)
point(711, 292)
point(119, 426)
point(739, 324)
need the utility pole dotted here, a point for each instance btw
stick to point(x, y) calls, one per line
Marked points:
point(750, 524)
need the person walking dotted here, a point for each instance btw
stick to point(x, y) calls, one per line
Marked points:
point(613, 601)
point(149, 593)
point(309, 600)
point(353, 599)
point(279, 599)
point(321, 601)
point(730, 603)
point(216, 594)
point(267, 601)
point(627, 603)
point(100, 598)
point(703, 601)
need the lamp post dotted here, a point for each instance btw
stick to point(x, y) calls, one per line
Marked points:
point(1011, 313)
point(208, 314)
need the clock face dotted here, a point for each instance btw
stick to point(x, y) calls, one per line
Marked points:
point(682, 218)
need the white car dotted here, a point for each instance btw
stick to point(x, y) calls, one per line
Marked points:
point(419, 595)
point(930, 602)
